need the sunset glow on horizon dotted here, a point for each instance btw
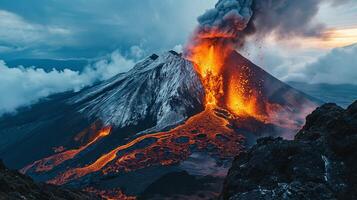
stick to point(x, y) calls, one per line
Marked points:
point(331, 38)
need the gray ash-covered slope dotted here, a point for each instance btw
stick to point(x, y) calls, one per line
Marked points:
point(319, 164)
point(159, 92)
point(162, 89)
point(15, 186)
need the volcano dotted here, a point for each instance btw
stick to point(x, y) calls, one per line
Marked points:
point(154, 129)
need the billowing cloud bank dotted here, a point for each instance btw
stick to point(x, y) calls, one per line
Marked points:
point(339, 66)
point(24, 86)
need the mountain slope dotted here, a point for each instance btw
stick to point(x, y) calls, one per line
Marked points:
point(158, 92)
point(163, 89)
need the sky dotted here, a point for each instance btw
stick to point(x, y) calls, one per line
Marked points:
point(118, 33)
point(92, 28)
point(83, 28)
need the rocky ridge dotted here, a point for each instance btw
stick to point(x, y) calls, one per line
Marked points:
point(318, 164)
point(15, 186)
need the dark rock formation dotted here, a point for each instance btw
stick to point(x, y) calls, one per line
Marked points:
point(319, 164)
point(14, 186)
point(182, 185)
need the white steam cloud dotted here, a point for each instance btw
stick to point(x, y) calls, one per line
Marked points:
point(25, 86)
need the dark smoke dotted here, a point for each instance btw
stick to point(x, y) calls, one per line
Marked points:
point(284, 18)
point(287, 17)
point(228, 16)
point(228, 21)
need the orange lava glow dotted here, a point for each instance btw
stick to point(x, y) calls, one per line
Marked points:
point(49, 163)
point(242, 98)
point(208, 59)
point(228, 90)
point(202, 130)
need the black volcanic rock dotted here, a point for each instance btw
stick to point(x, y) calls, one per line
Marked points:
point(14, 186)
point(181, 185)
point(318, 164)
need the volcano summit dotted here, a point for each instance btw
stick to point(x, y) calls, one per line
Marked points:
point(144, 128)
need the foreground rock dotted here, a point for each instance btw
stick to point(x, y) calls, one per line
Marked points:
point(319, 164)
point(14, 186)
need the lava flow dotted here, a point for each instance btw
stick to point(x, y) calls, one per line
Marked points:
point(49, 163)
point(202, 131)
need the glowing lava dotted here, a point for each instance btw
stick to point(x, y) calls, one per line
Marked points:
point(165, 148)
point(49, 163)
point(228, 90)
point(208, 59)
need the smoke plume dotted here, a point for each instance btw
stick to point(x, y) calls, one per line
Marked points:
point(234, 20)
point(228, 20)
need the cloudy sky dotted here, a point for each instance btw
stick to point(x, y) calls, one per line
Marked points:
point(120, 32)
point(83, 28)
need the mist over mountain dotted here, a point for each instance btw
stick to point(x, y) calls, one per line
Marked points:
point(24, 83)
point(336, 67)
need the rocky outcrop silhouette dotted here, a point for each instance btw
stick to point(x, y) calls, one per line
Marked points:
point(15, 186)
point(320, 163)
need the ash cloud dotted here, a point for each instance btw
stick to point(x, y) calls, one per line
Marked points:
point(228, 20)
point(285, 18)
point(228, 16)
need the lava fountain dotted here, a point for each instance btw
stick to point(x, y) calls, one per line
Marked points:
point(224, 87)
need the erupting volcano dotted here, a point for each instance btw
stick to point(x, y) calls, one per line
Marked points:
point(229, 80)
point(170, 114)
point(234, 88)
point(204, 112)
point(228, 85)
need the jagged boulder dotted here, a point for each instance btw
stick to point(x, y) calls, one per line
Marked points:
point(318, 164)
